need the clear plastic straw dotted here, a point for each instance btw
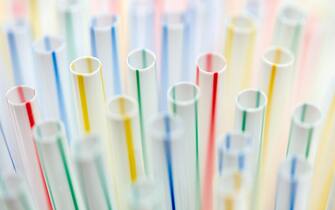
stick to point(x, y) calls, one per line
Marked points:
point(14, 194)
point(89, 161)
point(239, 50)
point(34, 17)
point(125, 144)
point(169, 164)
point(104, 36)
point(24, 114)
point(53, 151)
point(303, 140)
point(210, 78)
point(143, 87)
point(183, 100)
point(293, 184)
point(7, 162)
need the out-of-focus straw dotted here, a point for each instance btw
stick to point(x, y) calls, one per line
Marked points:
point(303, 132)
point(143, 87)
point(7, 162)
point(210, 78)
point(183, 98)
point(89, 161)
point(239, 50)
point(19, 41)
point(104, 38)
point(276, 82)
point(34, 17)
point(52, 74)
point(125, 144)
point(53, 151)
point(24, 114)
point(168, 160)
point(293, 184)
point(14, 194)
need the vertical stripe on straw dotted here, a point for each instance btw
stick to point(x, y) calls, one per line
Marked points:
point(2, 133)
point(310, 131)
point(83, 187)
point(83, 102)
point(129, 140)
point(67, 172)
point(244, 121)
point(229, 42)
point(248, 63)
point(33, 12)
point(167, 149)
point(229, 203)
point(70, 34)
point(174, 105)
point(198, 187)
point(93, 38)
point(293, 185)
point(115, 59)
point(197, 75)
point(164, 70)
point(295, 40)
point(103, 181)
point(16, 65)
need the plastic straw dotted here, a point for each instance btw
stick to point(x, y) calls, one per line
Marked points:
point(125, 144)
point(14, 194)
point(18, 34)
point(34, 16)
point(169, 164)
point(304, 131)
point(276, 82)
point(52, 74)
point(183, 100)
point(209, 77)
point(53, 149)
point(89, 161)
point(293, 184)
point(24, 114)
point(104, 38)
point(239, 50)
point(7, 162)
point(331, 198)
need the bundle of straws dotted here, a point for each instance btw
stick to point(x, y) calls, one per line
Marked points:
point(167, 105)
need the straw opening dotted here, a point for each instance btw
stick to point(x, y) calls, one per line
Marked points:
point(20, 95)
point(85, 66)
point(48, 131)
point(291, 15)
point(87, 147)
point(141, 59)
point(158, 127)
point(302, 169)
point(121, 108)
point(104, 22)
point(251, 100)
point(48, 44)
point(307, 115)
point(235, 142)
point(211, 62)
point(278, 56)
point(184, 93)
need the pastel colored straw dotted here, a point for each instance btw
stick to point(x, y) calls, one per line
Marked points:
point(7, 162)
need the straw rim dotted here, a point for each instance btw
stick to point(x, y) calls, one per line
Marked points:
point(85, 74)
point(51, 137)
point(285, 169)
point(115, 19)
point(242, 29)
point(248, 109)
point(121, 117)
point(299, 15)
point(246, 146)
point(19, 25)
point(285, 51)
point(166, 22)
point(14, 89)
point(146, 50)
point(60, 46)
point(187, 102)
point(175, 133)
point(217, 55)
point(92, 141)
point(307, 125)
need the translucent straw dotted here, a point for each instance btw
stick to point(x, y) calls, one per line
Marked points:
point(53, 149)
point(89, 161)
point(168, 160)
point(18, 34)
point(183, 100)
point(303, 132)
point(34, 16)
point(293, 184)
point(209, 77)
point(14, 194)
point(7, 162)
point(125, 144)
point(276, 82)
point(143, 87)
point(52, 74)
point(239, 50)
point(104, 38)
point(24, 114)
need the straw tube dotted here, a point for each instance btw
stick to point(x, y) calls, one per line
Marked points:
point(143, 87)
point(209, 77)
point(239, 50)
point(104, 38)
point(183, 100)
point(14, 194)
point(52, 74)
point(19, 41)
point(89, 161)
point(303, 132)
point(169, 164)
point(24, 114)
point(293, 184)
point(125, 144)
point(53, 149)
point(7, 161)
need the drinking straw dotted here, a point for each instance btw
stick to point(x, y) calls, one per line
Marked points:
point(52, 75)
point(276, 82)
point(331, 198)
point(53, 151)
point(230, 191)
point(146, 194)
point(303, 132)
point(89, 161)
point(14, 194)
point(169, 165)
point(18, 34)
point(24, 115)
point(34, 17)
point(125, 141)
point(104, 36)
point(209, 77)
point(141, 25)
point(7, 162)
point(143, 87)
point(239, 50)
point(293, 184)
